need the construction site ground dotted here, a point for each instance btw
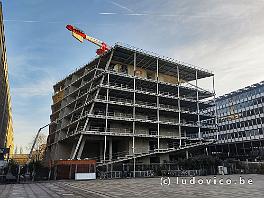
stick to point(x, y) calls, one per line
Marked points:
point(141, 187)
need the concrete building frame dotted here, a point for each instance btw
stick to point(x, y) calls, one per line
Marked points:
point(129, 104)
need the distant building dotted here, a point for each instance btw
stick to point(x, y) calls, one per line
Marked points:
point(129, 104)
point(240, 124)
point(21, 159)
point(6, 128)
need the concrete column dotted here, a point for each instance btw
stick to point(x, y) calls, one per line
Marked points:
point(105, 148)
point(81, 148)
point(110, 148)
point(197, 102)
point(101, 150)
point(158, 114)
point(179, 102)
point(187, 154)
point(180, 143)
point(206, 150)
point(215, 111)
point(134, 114)
point(73, 149)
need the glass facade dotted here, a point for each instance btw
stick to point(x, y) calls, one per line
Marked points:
point(240, 115)
point(240, 119)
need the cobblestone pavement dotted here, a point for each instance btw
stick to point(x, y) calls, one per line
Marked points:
point(147, 187)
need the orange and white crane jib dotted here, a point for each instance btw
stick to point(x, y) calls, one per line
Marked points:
point(80, 35)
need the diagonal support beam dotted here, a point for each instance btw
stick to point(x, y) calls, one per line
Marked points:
point(81, 148)
point(77, 147)
point(102, 80)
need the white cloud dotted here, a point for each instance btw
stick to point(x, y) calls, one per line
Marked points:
point(236, 64)
point(41, 88)
point(225, 37)
point(121, 6)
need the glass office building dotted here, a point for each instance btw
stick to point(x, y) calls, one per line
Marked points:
point(240, 121)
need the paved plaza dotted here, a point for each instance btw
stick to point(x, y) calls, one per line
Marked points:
point(209, 186)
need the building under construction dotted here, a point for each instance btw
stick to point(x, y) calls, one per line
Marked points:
point(6, 128)
point(128, 104)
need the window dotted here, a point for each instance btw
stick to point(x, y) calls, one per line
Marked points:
point(246, 124)
point(240, 134)
point(260, 131)
point(243, 124)
point(244, 114)
point(243, 133)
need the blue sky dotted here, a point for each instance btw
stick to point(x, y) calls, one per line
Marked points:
point(220, 35)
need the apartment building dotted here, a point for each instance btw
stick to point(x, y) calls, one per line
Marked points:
point(6, 127)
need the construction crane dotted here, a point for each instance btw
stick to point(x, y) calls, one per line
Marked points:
point(80, 36)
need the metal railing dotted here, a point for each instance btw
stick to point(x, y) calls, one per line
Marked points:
point(143, 103)
point(110, 175)
point(165, 106)
point(169, 120)
point(171, 60)
point(121, 132)
point(181, 173)
point(111, 130)
point(185, 84)
point(144, 118)
point(151, 91)
point(146, 151)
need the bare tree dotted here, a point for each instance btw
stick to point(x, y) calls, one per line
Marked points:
point(42, 139)
point(40, 147)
